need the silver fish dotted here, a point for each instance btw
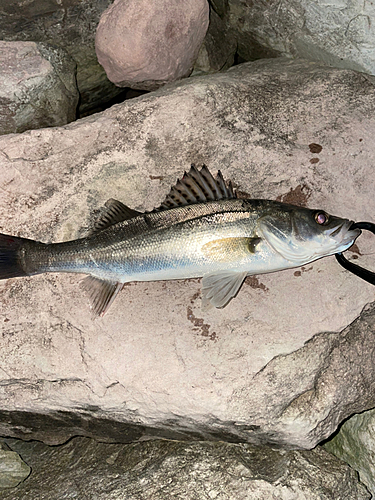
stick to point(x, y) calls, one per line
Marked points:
point(201, 230)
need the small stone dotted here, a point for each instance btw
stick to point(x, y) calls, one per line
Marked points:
point(13, 470)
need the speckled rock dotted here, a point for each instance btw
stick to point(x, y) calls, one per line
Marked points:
point(355, 444)
point(144, 45)
point(337, 33)
point(70, 25)
point(279, 364)
point(161, 470)
point(38, 87)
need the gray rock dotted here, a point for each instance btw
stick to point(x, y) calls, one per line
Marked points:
point(355, 444)
point(13, 470)
point(218, 49)
point(69, 25)
point(161, 470)
point(38, 87)
point(337, 32)
point(144, 45)
point(279, 364)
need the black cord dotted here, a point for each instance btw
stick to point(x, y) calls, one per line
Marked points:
point(359, 271)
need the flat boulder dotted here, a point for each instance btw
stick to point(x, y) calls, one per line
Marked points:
point(287, 360)
point(157, 470)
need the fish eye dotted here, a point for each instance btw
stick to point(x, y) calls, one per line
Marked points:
point(321, 218)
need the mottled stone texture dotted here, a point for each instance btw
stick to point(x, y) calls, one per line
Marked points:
point(144, 45)
point(335, 32)
point(38, 87)
point(70, 25)
point(279, 364)
point(13, 470)
point(355, 444)
point(163, 470)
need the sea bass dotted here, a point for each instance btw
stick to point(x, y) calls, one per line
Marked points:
point(200, 230)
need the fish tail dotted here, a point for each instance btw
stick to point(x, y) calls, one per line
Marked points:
point(12, 256)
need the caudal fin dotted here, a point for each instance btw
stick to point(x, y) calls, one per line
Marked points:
point(11, 262)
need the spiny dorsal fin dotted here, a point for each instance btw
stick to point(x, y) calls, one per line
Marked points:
point(115, 212)
point(197, 186)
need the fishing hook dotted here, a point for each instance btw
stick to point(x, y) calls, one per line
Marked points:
point(361, 272)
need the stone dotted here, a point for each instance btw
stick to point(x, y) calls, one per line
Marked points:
point(218, 49)
point(287, 360)
point(335, 32)
point(13, 470)
point(38, 87)
point(144, 45)
point(159, 470)
point(71, 26)
point(355, 444)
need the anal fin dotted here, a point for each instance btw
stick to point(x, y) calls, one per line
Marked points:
point(219, 288)
point(101, 293)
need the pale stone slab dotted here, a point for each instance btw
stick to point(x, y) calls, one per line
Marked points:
point(155, 364)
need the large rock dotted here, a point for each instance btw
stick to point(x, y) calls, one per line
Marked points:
point(70, 25)
point(161, 470)
point(144, 45)
point(279, 364)
point(38, 87)
point(336, 32)
point(355, 444)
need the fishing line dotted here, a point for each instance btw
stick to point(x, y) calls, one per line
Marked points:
point(359, 271)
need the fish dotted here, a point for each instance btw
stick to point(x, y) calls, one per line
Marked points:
point(201, 230)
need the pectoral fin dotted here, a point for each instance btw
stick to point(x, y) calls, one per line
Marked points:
point(101, 293)
point(218, 288)
point(229, 249)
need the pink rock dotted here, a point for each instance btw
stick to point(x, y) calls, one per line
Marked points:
point(147, 44)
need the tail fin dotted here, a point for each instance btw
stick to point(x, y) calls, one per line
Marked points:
point(11, 258)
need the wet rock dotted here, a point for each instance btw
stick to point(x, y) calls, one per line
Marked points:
point(355, 444)
point(38, 87)
point(160, 469)
point(336, 33)
point(143, 46)
point(279, 364)
point(71, 26)
point(13, 470)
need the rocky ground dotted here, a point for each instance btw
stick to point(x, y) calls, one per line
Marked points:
point(237, 400)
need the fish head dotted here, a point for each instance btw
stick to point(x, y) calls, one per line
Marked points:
point(302, 235)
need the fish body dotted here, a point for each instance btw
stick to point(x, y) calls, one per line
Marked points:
point(200, 230)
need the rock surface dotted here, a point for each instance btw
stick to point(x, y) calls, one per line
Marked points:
point(336, 32)
point(144, 45)
point(70, 25)
point(161, 470)
point(355, 444)
point(13, 470)
point(38, 87)
point(278, 364)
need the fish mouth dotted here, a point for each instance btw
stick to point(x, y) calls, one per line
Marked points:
point(345, 234)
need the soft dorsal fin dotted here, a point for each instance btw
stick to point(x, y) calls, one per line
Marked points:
point(115, 212)
point(197, 186)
